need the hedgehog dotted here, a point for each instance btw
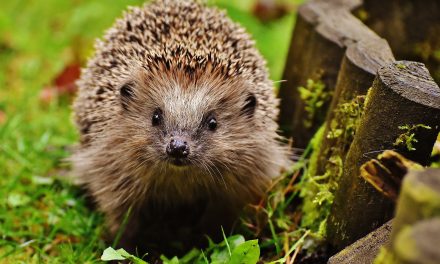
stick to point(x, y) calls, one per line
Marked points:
point(177, 122)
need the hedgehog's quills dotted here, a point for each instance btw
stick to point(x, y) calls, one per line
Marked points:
point(177, 121)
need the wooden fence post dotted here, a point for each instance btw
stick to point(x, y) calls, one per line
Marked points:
point(358, 69)
point(403, 105)
point(322, 32)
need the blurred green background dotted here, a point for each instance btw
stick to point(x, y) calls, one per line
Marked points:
point(44, 218)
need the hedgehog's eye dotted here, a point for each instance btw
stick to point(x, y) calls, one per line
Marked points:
point(212, 123)
point(250, 105)
point(157, 117)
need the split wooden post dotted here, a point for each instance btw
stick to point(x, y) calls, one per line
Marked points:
point(403, 96)
point(322, 32)
point(358, 69)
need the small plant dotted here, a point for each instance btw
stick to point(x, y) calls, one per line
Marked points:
point(407, 139)
point(110, 254)
point(346, 120)
point(314, 96)
point(276, 220)
point(232, 250)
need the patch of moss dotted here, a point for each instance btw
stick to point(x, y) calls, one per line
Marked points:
point(315, 143)
point(318, 190)
point(314, 96)
point(407, 139)
point(346, 120)
point(308, 189)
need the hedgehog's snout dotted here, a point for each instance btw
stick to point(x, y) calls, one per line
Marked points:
point(178, 150)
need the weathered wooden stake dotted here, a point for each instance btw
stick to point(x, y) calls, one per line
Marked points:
point(403, 95)
point(358, 69)
point(364, 250)
point(322, 32)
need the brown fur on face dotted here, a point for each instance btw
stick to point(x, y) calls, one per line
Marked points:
point(190, 63)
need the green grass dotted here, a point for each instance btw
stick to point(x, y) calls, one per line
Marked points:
point(43, 217)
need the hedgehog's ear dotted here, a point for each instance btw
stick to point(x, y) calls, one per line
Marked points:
point(126, 94)
point(250, 105)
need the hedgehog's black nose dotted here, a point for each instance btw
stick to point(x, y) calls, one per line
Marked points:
point(178, 148)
